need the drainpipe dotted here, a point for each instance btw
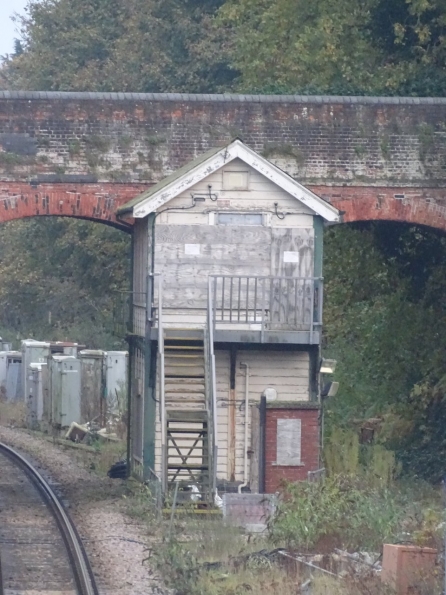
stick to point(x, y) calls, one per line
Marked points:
point(245, 462)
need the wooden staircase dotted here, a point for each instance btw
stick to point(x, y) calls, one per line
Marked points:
point(187, 437)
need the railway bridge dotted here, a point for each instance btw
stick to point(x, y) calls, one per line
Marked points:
point(85, 154)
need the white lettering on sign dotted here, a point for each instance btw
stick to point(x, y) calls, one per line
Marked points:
point(291, 256)
point(289, 435)
point(192, 249)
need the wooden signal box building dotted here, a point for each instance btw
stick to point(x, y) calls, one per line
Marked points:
point(226, 307)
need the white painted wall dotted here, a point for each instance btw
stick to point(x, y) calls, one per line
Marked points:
point(286, 371)
point(260, 197)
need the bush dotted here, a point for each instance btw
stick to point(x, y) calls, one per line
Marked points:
point(348, 512)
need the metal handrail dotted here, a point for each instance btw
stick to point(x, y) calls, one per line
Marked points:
point(124, 302)
point(162, 399)
point(270, 301)
point(213, 379)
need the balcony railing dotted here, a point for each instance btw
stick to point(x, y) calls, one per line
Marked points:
point(124, 303)
point(267, 303)
point(243, 303)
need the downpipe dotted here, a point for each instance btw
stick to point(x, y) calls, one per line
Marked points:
point(245, 461)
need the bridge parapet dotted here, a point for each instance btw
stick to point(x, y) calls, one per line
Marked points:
point(84, 154)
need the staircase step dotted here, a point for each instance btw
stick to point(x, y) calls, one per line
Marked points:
point(182, 402)
point(177, 380)
point(184, 348)
point(186, 416)
point(197, 407)
point(185, 396)
point(187, 364)
point(183, 334)
point(185, 378)
point(179, 356)
point(188, 389)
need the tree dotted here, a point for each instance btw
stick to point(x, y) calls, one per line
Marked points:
point(121, 45)
point(385, 323)
point(338, 46)
point(58, 277)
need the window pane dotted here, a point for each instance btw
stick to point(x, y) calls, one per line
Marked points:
point(239, 218)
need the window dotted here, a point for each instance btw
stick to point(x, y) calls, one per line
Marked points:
point(239, 219)
point(235, 180)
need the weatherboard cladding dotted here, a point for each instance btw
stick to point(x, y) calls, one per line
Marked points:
point(219, 160)
point(287, 372)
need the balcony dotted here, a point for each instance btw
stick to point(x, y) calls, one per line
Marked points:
point(251, 309)
point(127, 306)
point(266, 309)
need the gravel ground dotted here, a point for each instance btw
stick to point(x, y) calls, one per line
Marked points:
point(114, 542)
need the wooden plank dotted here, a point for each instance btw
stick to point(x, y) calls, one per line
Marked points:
point(258, 185)
point(211, 235)
point(140, 256)
point(291, 256)
point(287, 372)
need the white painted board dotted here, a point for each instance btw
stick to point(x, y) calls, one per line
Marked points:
point(289, 441)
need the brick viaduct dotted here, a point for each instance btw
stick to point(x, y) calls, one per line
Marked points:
point(84, 154)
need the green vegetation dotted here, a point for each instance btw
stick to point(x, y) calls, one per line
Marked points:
point(112, 45)
point(385, 310)
point(385, 324)
point(58, 277)
point(287, 46)
point(385, 318)
point(350, 513)
point(338, 47)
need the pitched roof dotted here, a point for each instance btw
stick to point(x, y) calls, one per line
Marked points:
point(168, 180)
point(195, 171)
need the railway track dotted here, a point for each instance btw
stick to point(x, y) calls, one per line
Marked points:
point(40, 549)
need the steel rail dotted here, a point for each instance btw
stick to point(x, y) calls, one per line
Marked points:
point(82, 571)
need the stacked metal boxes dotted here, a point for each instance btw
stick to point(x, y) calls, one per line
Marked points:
point(63, 385)
point(93, 387)
point(10, 376)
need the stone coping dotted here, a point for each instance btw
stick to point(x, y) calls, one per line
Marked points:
point(220, 98)
point(293, 405)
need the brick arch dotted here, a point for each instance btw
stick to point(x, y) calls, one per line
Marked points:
point(420, 206)
point(99, 202)
point(94, 202)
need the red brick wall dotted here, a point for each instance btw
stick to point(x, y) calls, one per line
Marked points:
point(96, 202)
point(422, 206)
point(373, 158)
point(129, 137)
point(274, 475)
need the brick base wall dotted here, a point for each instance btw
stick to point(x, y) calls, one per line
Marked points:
point(274, 474)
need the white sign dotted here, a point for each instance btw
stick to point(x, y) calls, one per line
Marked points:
point(289, 435)
point(192, 249)
point(291, 257)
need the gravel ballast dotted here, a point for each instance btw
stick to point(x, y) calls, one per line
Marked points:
point(115, 542)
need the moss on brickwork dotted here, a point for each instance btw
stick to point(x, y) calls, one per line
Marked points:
point(395, 142)
point(285, 150)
